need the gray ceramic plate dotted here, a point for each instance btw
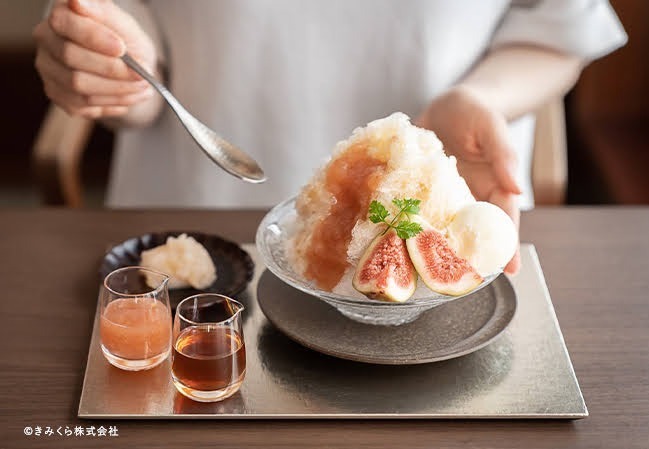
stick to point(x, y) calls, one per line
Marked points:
point(450, 330)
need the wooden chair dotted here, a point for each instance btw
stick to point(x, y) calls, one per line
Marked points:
point(62, 139)
point(550, 156)
point(56, 157)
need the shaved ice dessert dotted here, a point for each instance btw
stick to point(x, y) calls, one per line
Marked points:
point(390, 206)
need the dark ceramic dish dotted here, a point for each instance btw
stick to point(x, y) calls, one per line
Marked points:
point(234, 267)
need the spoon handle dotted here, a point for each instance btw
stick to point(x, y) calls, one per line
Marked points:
point(178, 108)
point(232, 159)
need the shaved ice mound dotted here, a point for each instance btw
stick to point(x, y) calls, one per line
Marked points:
point(387, 159)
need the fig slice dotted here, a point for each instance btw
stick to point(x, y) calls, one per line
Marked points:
point(441, 269)
point(385, 271)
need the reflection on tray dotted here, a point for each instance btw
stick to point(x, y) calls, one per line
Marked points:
point(139, 388)
point(348, 385)
point(185, 406)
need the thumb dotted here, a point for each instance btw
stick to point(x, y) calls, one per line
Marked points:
point(504, 169)
point(109, 14)
point(500, 154)
point(502, 158)
point(507, 202)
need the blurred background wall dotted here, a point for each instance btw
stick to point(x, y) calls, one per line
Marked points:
point(23, 105)
point(607, 117)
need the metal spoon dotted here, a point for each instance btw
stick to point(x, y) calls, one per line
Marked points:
point(227, 156)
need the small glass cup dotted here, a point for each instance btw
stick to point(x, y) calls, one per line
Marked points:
point(208, 361)
point(135, 318)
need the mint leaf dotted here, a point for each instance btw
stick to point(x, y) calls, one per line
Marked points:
point(407, 205)
point(405, 228)
point(411, 206)
point(408, 229)
point(398, 202)
point(378, 212)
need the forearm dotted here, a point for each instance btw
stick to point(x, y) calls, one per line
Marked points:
point(518, 79)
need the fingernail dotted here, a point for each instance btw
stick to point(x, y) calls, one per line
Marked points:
point(114, 45)
point(120, 45)
point(147, 93)
point(512, 168)
point(90, 6)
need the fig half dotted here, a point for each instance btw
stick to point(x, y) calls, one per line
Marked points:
point(385, 271)
point(441, 269)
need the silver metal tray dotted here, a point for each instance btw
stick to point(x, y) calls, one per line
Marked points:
point(524, 373)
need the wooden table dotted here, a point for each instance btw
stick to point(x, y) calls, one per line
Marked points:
point(596, 261)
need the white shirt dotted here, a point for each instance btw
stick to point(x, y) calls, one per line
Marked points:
point(286, 79)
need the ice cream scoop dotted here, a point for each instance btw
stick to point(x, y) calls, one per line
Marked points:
point(484, 235)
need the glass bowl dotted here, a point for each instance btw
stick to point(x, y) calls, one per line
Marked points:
point(273, 237)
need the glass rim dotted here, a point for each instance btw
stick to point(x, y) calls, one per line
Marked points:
point(152, 292)
point(209, 295)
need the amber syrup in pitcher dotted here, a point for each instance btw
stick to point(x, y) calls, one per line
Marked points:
point(209, 358)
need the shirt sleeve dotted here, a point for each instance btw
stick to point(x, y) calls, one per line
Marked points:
point(588, 29)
